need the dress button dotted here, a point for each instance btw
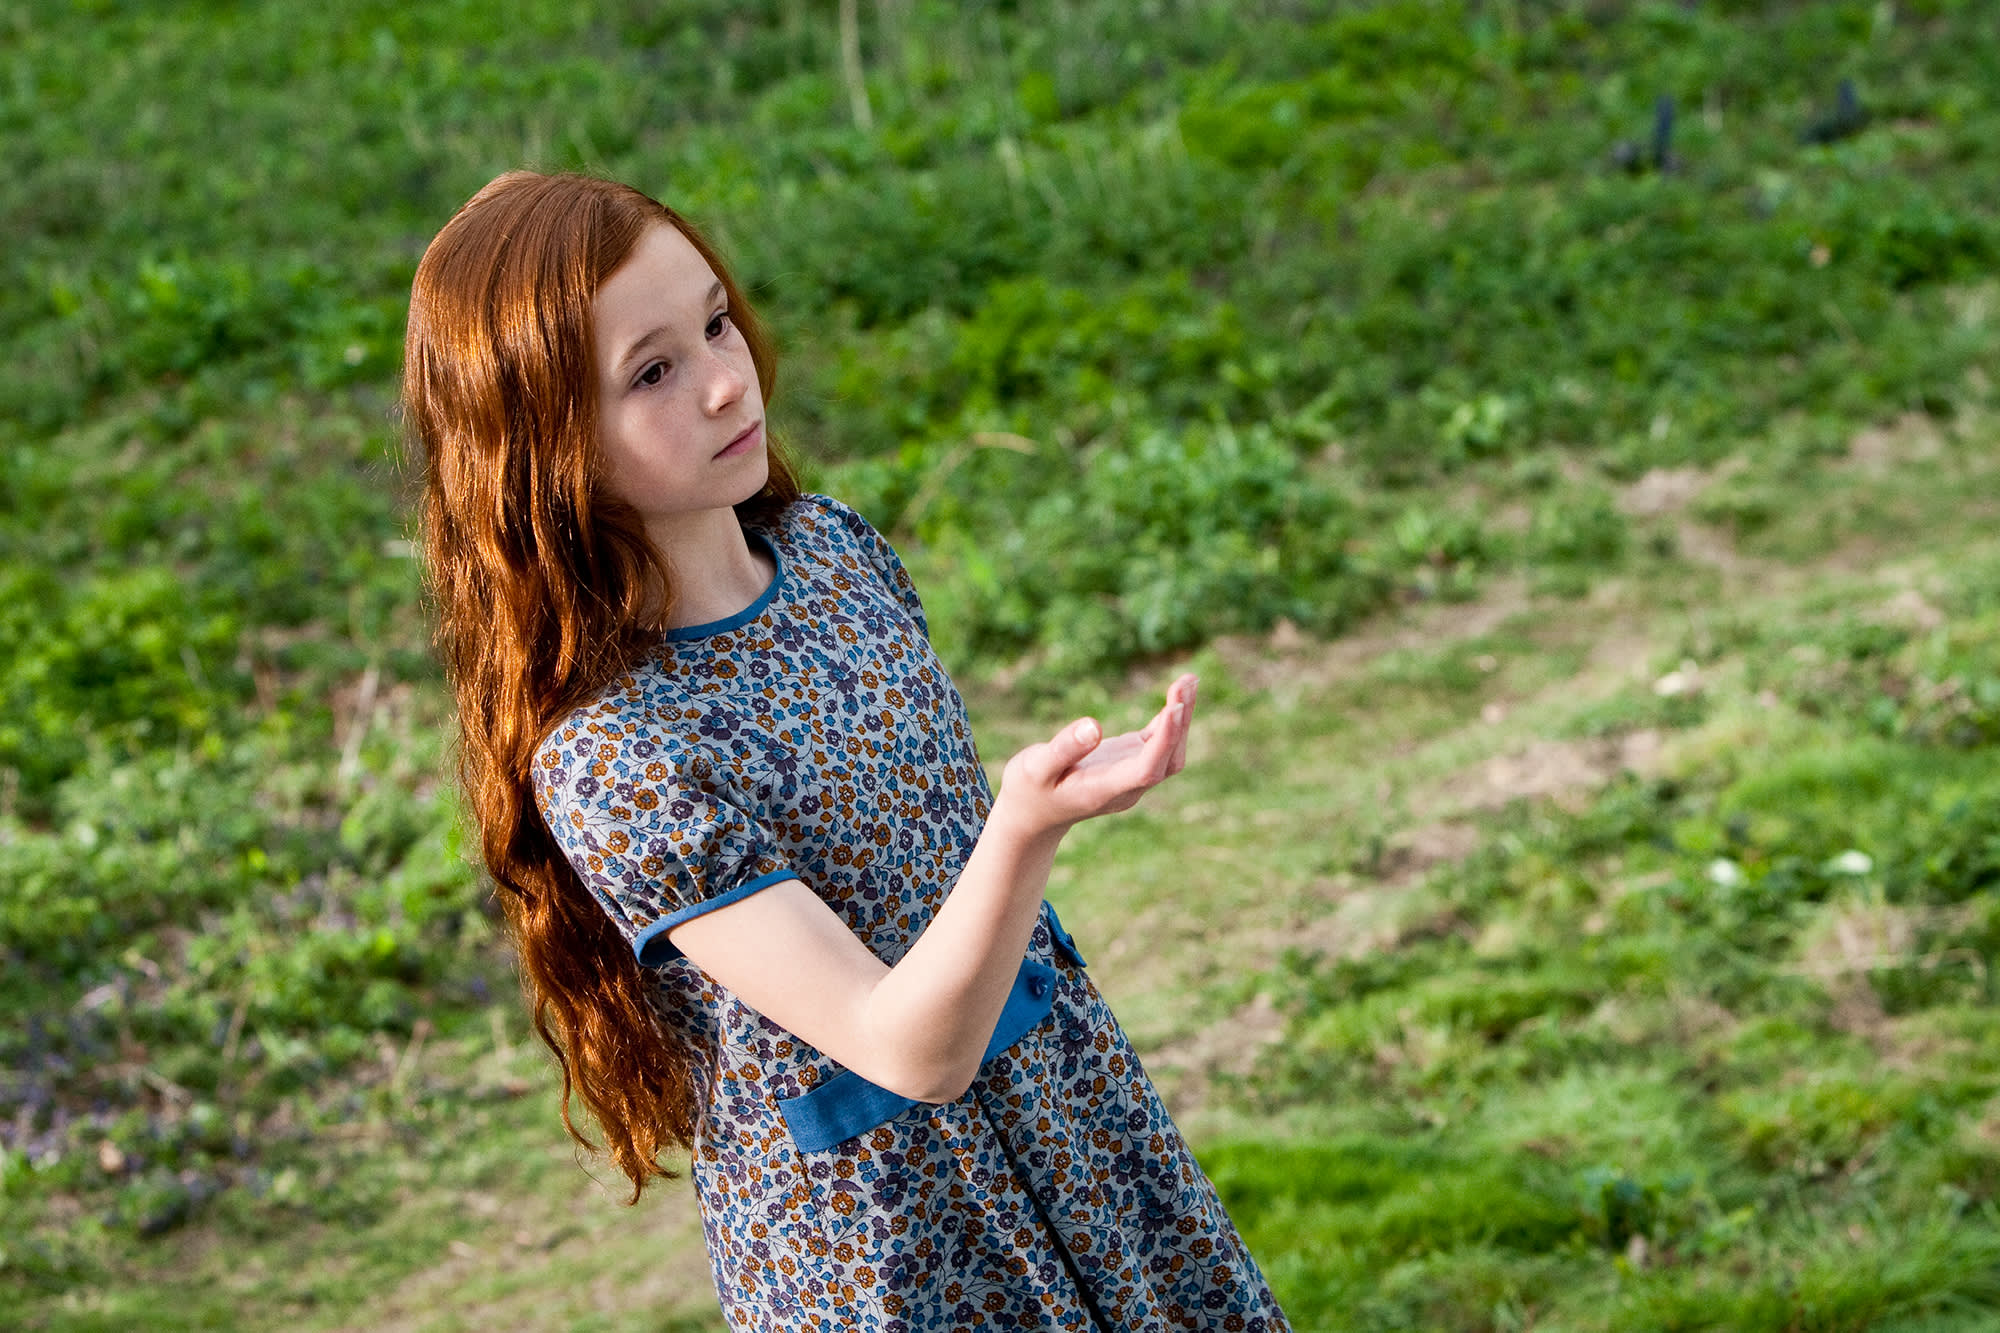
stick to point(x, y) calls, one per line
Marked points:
point(1038, 986)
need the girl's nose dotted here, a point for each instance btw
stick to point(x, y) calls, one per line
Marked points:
point(726, 384)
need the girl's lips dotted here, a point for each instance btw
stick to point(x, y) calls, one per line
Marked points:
point(744, 442)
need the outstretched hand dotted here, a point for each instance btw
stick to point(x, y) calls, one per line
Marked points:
point(1080, 773)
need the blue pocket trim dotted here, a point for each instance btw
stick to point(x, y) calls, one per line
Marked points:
point(1062, 939)
point(848, 1104)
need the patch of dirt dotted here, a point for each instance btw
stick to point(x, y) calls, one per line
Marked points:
point(1188, 1066)
point(1624, 651)
point(1696, 1017)
point(1561, 770)
point(1910, 437)
point(1857, 939)
point(1704, 545)
point(1985, 1130)
point(1351, 921)
point(1411, 854)
point(1911, 608)
point(1358, 919)
point(1514, 517)
point(1663, 490)
point(1664, 493)
point(1287, 658)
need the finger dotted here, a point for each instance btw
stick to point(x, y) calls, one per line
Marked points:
point(1156, 740)
point(1070, 744)
point(1180, 692)
point(1110, 751)
point(1159, 748)
point(1111, 767)
point(1179, 759)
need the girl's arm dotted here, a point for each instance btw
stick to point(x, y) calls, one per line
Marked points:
point(920, 1028)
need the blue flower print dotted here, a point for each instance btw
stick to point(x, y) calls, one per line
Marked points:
point(718, 724)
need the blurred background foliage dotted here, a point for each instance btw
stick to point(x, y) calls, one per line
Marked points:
point(1135, 324)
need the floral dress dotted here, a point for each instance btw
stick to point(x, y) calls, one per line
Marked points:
point(816, 735)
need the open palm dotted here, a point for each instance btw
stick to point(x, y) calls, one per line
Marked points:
point(1079, 773)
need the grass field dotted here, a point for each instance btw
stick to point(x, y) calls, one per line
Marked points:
point(1578, 912)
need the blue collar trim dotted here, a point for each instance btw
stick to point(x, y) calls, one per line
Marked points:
point(748, 613)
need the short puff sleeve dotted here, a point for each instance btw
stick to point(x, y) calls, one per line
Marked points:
point(659, 834)
point(881, 557)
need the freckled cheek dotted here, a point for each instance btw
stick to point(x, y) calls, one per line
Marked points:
point(650, 450)
point(627, 463)
point(632, 431)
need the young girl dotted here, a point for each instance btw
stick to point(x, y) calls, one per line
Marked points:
point(766, 909)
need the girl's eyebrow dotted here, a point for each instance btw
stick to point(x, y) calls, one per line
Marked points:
point(645, 339)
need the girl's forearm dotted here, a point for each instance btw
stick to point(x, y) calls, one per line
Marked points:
point(931, 1015)
point(937, 1007)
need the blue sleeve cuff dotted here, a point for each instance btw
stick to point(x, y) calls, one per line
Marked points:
point(656, 950)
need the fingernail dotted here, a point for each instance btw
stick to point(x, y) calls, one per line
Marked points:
point(1086, 731)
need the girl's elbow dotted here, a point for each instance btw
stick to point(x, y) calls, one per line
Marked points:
point(920, 1065)
point(949, 1090)
point(936, 1084)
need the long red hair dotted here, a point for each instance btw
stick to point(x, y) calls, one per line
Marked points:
point(546, 590)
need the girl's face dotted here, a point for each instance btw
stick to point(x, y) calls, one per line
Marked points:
point(680, 418)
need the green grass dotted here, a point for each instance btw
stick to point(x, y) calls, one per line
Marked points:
point(1202, 335)
point(1580, 1079)
point(438, 1202)
point(1678, 1059)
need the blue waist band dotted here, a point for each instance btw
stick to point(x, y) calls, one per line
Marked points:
point(848, 1104)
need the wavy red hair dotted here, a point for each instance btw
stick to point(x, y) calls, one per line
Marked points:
point(546, 589)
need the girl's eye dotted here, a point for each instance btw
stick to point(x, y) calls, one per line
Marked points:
point(651, 374)
point(717, 323)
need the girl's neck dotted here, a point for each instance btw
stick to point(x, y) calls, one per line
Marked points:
point(715, 572)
